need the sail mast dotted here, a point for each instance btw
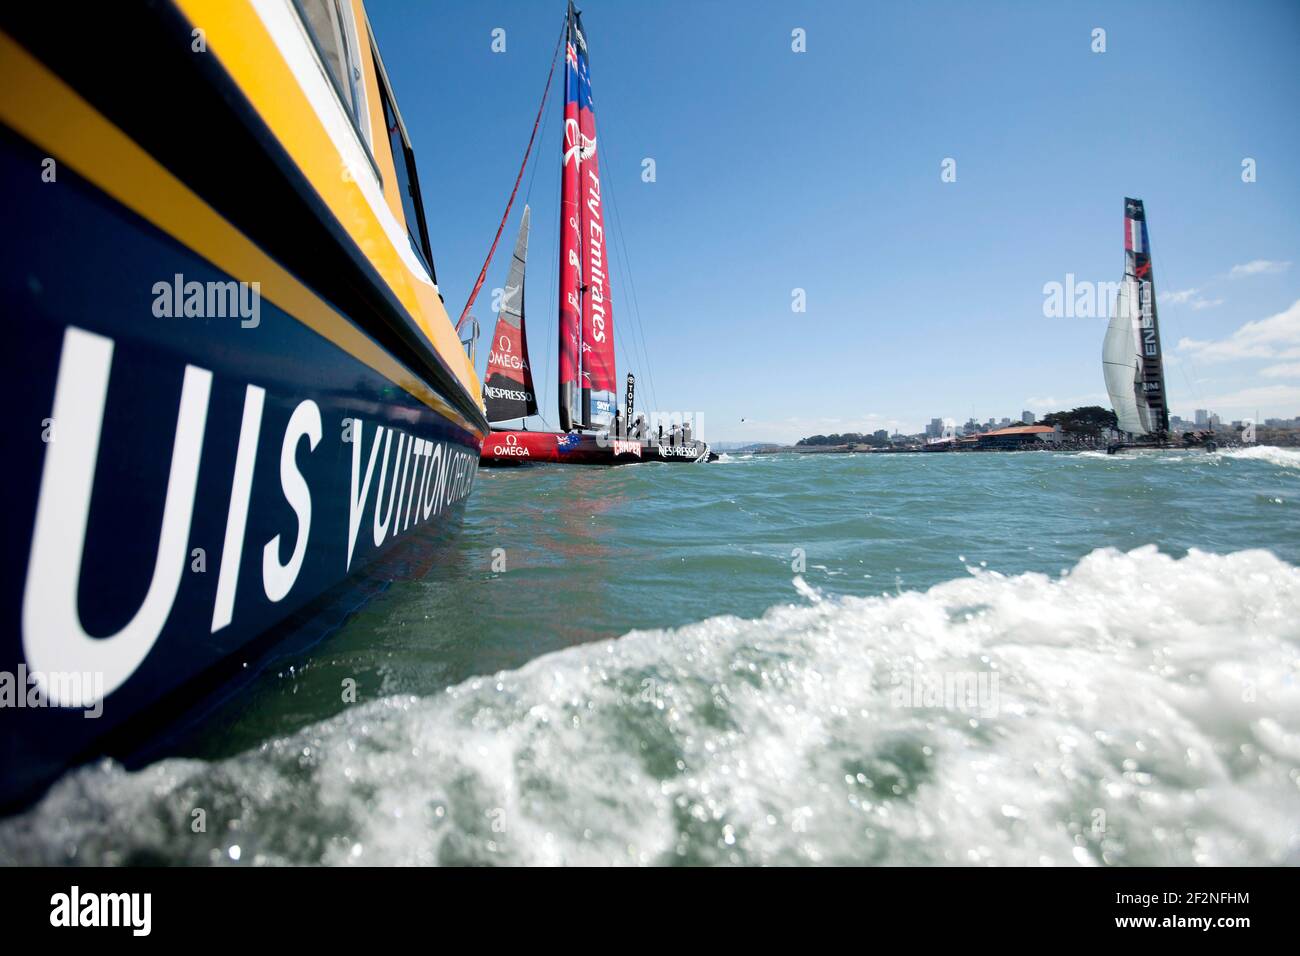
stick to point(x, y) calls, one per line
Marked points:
point(570, 305)
point(1137, 264)
point(1131, 354)
point(599, 374)
point(492, 250)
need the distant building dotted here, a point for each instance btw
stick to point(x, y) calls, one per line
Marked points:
point(1022, 436)
point(1006, 423)
point(1202, 417)
point(1027, 417)
point(881, 434)
point(934, 429)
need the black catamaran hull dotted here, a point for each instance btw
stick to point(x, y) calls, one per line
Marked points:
point(1152, 447)
point(184, 490)
point(514, 448)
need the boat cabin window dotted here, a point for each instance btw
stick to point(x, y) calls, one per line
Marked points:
point(334, 36)
point(407, 182)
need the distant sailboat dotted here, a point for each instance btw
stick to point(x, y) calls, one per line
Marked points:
point(1132, 360)
point(593, 430)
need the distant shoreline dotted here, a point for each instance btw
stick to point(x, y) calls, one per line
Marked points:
point(1274, 438)
point(905, 450)
point(832, 450)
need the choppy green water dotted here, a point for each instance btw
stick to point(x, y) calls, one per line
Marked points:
point(801, 622)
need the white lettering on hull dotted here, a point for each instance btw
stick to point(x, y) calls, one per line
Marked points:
point(237, 519)
point(53, 638)
point(278, 579)
point(428, 477)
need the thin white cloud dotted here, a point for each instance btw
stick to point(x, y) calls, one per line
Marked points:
point(1188, 297)
point(791, 429)
point(1042, 404)
point(1258, 267)
point(1291, 370)
point(1277, 337)
point(1284, 399)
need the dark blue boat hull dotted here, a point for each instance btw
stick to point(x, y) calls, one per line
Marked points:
point(78, 276)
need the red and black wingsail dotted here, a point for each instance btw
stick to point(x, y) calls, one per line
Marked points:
point(509, 388)
point(587, 369)
point(570, 319)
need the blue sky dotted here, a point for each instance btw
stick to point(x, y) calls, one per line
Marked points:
point(820, 171)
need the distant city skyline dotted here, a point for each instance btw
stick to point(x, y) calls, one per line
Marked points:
point(817, 180)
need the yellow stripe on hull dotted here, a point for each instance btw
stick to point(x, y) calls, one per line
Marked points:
point(43, 109)
point(237, 36)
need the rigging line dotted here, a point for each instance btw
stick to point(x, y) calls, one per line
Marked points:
point(482, 275)
point(1183, 364)
point(630, 358)
point(631, 283)
point(528, 195)
point(635, 311)
point(552, 299)
point(546, 125)
point(636, 305)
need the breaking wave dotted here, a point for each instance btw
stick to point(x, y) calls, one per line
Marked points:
point(1138, 709)
point(1269, 454)
point(1282, 457)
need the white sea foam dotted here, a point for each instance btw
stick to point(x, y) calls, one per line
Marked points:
point(1137, 710)
point(1270, 454)
point(1282, 457)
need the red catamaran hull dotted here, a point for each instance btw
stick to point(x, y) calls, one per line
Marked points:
point(506, 448)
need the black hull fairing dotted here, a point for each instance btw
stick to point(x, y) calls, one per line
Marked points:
point(509, 448)
point(1140, 447)
point(182, 489)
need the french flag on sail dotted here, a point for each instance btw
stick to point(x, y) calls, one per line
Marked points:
point(1135, 235)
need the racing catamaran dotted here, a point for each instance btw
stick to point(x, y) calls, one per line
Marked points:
point(593, 429)
point(1131, 357)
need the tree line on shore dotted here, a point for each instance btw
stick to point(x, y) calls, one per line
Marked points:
point(1086, 421)
point(848, 438)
